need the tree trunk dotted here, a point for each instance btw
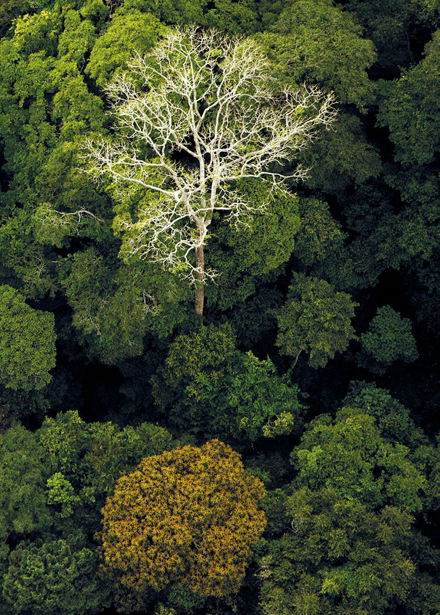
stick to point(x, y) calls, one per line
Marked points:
point(200, 281)
point(296, 359)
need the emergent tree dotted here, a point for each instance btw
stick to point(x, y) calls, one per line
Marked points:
point(198, 115)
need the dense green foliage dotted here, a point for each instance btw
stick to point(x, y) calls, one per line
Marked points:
point(388, 338)
point(210, 388)
point(52, 579)
point(315, 320)
point(27, 343)
point(315, 367)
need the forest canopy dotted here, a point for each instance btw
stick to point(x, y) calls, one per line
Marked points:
point(219, 307)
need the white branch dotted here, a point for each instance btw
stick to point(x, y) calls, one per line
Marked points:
point(207, 100)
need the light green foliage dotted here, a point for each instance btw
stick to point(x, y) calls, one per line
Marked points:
point(60, 492)
point(263, 404)
point(63, 440)
point(233, 16)
point(341, 558)
point(22, 486)
point(211, 388)
point(315, 41)
point(388, 338)
point(25, 77)
point(350, 547)
point(9, 10)
point(44, 106)
point(84, 460)
point(24, 261)
point(27, 343)
point(127, 32)
point(52, 579)
point(71, 445)
point(166, 11)
point(316, 320)
point(55, 481)
point(163, 610)
point(209, 350)
point(39, 68)
point(76, 111)
point(113, 451)
point(410, 108)
point(350, 457)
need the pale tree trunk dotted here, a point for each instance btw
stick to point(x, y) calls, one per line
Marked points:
point(200, 281)
point(296, 359)
point(200, 267)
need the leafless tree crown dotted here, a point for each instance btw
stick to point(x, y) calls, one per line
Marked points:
point(196, 115)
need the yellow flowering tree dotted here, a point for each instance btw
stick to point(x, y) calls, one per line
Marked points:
point(185, 518)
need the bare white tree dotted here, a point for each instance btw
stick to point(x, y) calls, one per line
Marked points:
point(196, 115)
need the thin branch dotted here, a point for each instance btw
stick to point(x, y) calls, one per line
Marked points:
point(209, 97)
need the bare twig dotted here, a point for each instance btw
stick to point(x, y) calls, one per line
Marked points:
point(208, 98)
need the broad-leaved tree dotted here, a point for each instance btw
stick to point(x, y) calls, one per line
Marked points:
point(187, 517)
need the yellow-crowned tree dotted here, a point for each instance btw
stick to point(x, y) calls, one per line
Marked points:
point(184, 519)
